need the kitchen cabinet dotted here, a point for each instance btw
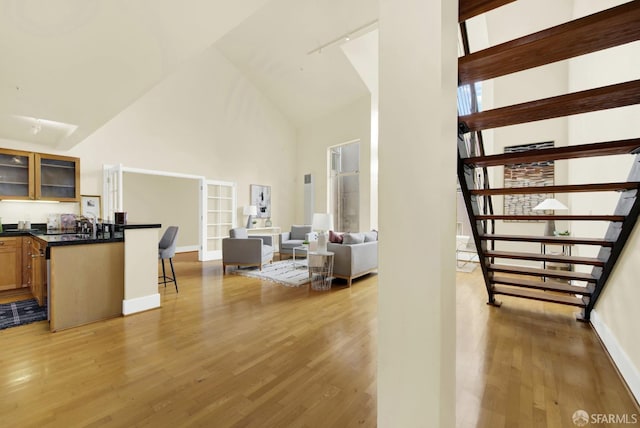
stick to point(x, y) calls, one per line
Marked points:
point(34, 268)
point(10, 263)
point(17, 174)
point(26, 261)
point(27, 175)
point(57, 178)
point(38, 280)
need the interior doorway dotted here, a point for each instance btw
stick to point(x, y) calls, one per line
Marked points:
point(150, 196)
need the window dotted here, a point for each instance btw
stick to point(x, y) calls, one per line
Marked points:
point(344, 188)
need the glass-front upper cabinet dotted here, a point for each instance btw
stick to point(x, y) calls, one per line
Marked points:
point(57, 178)
point(16, 174)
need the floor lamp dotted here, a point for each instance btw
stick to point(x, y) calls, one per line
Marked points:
point(550, 204)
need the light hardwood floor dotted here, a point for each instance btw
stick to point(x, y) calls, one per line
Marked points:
point(231, 351)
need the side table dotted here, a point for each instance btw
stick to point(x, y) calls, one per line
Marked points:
point(321, 270)
point(304, 249)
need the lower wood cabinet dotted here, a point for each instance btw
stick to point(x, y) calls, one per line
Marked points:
point(10, 263)
point(38, 270)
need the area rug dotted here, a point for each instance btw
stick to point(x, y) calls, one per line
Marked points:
point(20, 313)
point(283, 272)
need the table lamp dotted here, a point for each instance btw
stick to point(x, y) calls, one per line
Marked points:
point(322, 222)
point(550, 204)
point(250, 210)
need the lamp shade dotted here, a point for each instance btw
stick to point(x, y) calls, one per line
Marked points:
point(250, 210)
point(322, 221)
point(550, 204)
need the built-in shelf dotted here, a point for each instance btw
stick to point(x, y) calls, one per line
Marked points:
point(219, 216)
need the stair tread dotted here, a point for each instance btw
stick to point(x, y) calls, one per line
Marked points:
point(470, 8)
point(618, 147)
point(602, 98)
point(569, 188)
point(608, 28)
point(539, 295)
point(593, 217)
point(542, 285)
point(560, 240)
point(542, 272)
point(561, 258)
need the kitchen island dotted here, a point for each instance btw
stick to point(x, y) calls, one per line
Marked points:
point(92, 277)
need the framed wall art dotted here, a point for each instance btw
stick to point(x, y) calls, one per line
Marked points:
point(91, 206)
point(527, 174)
point(261, 198)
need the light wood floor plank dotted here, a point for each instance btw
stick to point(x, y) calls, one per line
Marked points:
point(231, 351)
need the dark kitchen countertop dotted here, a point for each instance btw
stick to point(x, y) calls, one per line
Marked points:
point(57, 238)
point(80, 238)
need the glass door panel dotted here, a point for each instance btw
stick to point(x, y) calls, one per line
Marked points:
point(16, 174)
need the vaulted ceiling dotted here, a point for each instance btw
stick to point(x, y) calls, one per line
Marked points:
point(69, 66)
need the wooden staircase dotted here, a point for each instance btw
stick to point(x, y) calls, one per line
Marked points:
point(609, 28)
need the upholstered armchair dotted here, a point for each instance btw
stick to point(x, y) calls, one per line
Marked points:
point(294, 238)
point(240, 249)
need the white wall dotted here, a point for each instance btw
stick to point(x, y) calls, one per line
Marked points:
point(353, 122)
point(615, 310)
point(205, 119)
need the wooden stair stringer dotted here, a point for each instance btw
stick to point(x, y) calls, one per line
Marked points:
point(629, 205)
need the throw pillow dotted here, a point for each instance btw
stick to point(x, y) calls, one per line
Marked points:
point(352, 238)
point(371, 236)
point(335, 237)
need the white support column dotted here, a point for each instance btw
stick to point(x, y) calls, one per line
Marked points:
point(140, 270)
point(417, 213)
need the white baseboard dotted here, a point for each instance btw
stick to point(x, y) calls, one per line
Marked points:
point(620, 358)
point(187, 248)
point(139, 304)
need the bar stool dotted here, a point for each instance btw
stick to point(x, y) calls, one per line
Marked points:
point(166, 250)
